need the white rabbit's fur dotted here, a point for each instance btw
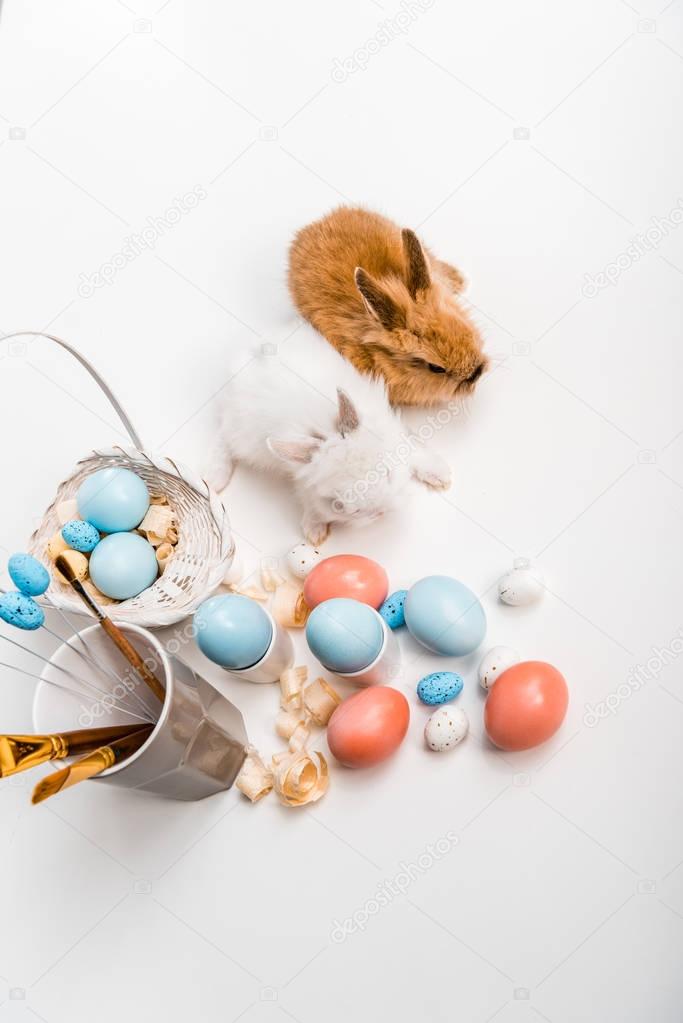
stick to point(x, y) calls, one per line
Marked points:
point(347, 452)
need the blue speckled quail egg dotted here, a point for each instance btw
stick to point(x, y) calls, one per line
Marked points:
point(28, 575)
point(21, 611)
point(80, 536)
point(439, 687)
point(392, 609)
point(447, 727)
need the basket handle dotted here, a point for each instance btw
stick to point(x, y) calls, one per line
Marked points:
point(104, 387)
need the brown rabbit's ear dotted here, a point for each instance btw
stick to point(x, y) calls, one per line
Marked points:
point(380, 305)
point(418, 278)
point(294, 449)
point(348, 420)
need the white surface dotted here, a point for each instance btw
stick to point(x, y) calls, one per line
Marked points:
point(563, 896)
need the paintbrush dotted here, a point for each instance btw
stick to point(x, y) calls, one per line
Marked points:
point(91, 764)
point(114, 633)
point(22, 752)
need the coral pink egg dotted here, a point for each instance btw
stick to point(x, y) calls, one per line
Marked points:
point(368, 726)
point(346, 575)
point(526, 705)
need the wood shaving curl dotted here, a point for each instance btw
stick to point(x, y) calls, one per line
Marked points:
point(270, 579)
point(255, 780)
point(320, 700)
point(292, 682)
point(299, 778)
point(289, 609)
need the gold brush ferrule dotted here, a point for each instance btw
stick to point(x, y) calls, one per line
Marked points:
point(21, 752)
point(92, 764)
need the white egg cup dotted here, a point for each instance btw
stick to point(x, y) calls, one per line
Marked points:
point(385, 668)
point(278, 657)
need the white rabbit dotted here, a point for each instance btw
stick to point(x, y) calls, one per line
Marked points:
point(347, 452)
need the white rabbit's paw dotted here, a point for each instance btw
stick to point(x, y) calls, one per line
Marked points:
point(219, 470)
point(315, 532)
point(433, 472)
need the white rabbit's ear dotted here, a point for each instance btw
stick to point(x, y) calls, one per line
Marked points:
point(348, 420)
point(417, 271)
point(294, 449)
point(378, 303)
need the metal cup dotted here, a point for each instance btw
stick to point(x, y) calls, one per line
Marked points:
point(199, 741)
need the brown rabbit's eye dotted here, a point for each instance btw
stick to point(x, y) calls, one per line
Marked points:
point(433, 368)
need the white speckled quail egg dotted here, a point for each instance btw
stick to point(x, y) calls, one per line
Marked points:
point(446, 728)
point(302, 559)
point(523, 585)
point(494, 663)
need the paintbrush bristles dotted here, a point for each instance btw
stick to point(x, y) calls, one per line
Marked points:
point(62, 565)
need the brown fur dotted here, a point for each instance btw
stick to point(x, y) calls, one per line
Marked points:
point(387, 304)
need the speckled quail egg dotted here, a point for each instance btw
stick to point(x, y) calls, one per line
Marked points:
point(494, 663)
point(302, 559)
point(446, 727)
point(523, 585)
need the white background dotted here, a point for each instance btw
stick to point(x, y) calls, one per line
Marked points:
point(529, 143)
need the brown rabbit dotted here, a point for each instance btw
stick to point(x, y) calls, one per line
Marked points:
point(387, 304)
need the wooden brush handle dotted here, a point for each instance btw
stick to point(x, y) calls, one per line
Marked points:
point(86, 739)
point(114, 633)
point(131, 655)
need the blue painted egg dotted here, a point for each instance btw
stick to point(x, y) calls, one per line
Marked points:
point(392, 609)
point(439, 687)
point(445, 616)
point(21, 611)
point(233, 631)
point(123, 565)
point(28, 574)
point(345, 635)
point(80, 536)
point(113, 499)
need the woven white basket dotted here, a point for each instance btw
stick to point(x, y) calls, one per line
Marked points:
point(205, 546)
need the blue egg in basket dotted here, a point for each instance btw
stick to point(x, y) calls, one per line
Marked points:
point(233, 631)
point(28, 574)
point(345, 635)
point(445, 616)
point(21, 611)
point(123, 565)
point(113, 500)
point(80, 536)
